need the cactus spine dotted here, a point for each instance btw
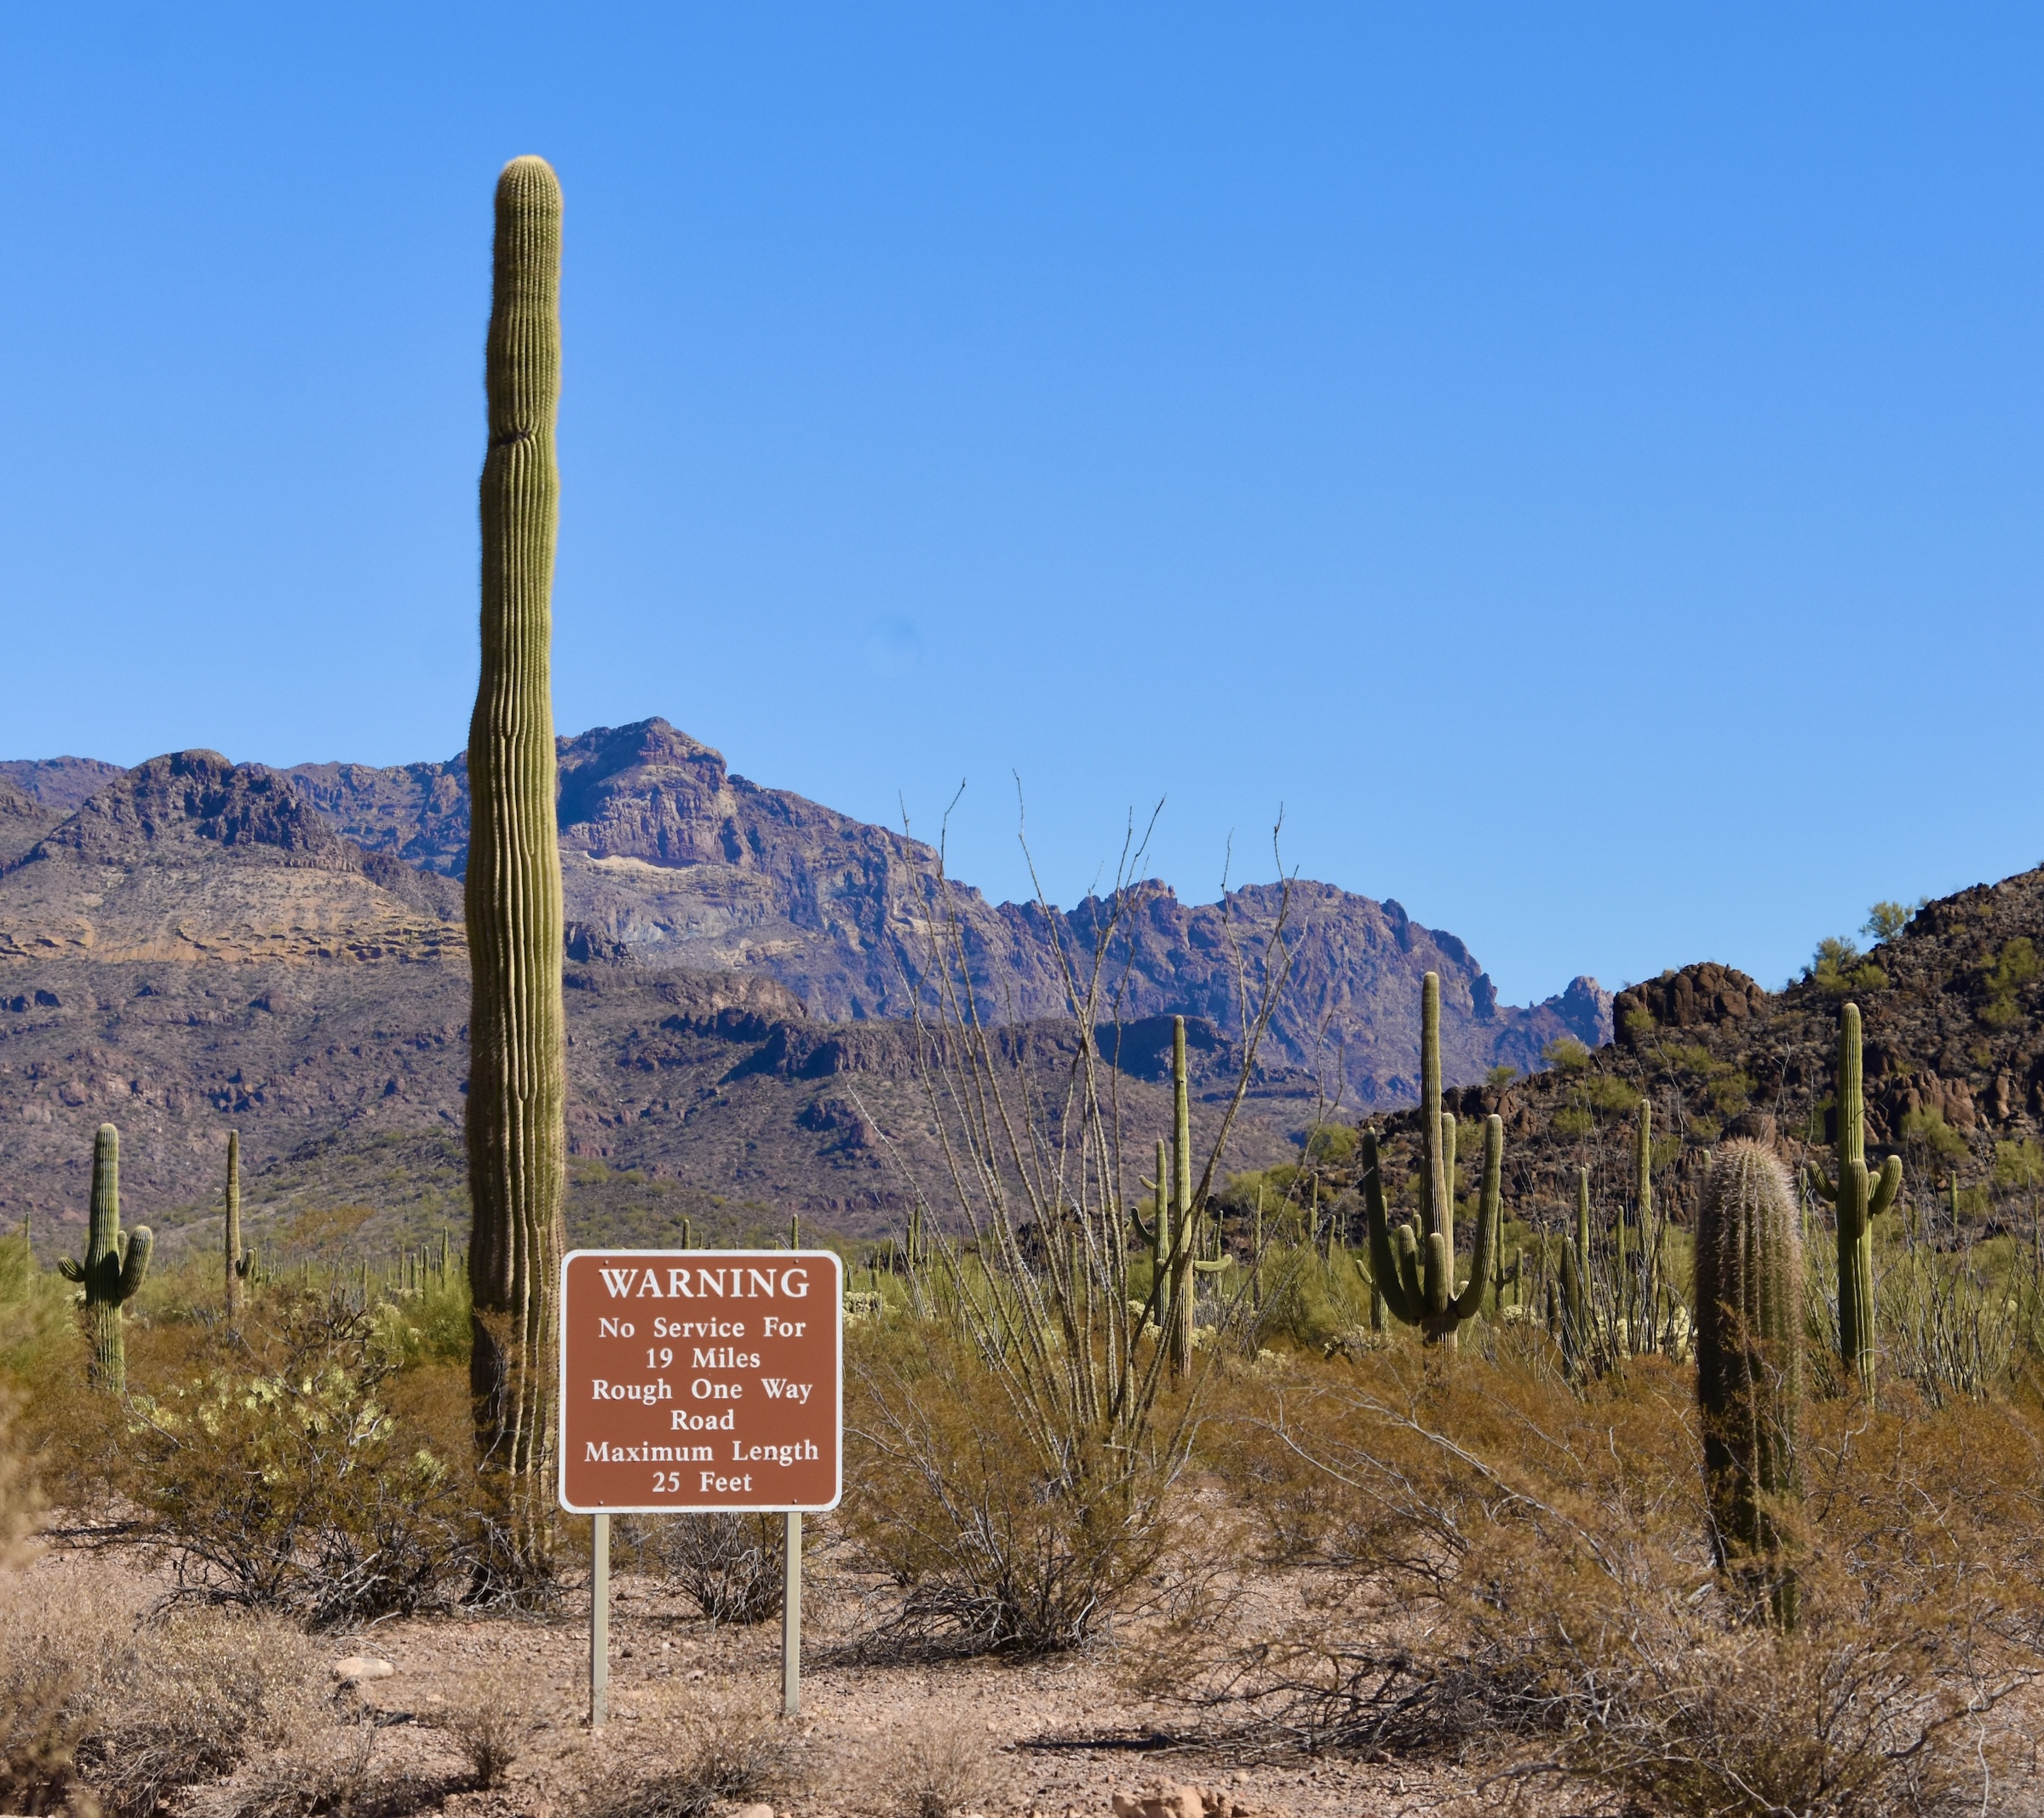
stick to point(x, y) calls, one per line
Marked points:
point(1749, 1312)
point(109, 1277)
point(1414, 1271)
point(239, 1262)
point(516, 1127)
point(1860, 1199)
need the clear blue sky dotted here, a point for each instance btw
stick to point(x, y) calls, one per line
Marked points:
point(1582, 461)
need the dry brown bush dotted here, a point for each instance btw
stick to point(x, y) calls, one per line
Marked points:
point(934, 1767)
point(1500, 1564)
point(127, 1710)
point(990, 1545)
point(725, 1751)
point(729, 1566)
point(328, 1774)
point(486, 1715)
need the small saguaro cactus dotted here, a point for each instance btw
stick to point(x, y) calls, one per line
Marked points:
point(1414, 1268)
point(1578, 1310)
point(110, 1275)
point(1749, 1379)
point(239, 1263)
point(1860, 1198)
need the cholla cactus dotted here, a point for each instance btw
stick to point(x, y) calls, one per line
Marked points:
point(1860, 1198)
point(1413, 1269)
point(110, 1275)
point(1749, 1383)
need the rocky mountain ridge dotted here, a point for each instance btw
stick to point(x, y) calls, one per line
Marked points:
point(672, 861)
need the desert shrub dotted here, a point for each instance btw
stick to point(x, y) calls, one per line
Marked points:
point(993, 1541)
point(39, 1338)
point(100, 1709)
point(486, 1717)
point(932, 1766)
point(1509, 1564)
point(279, 1478)
point(724, 1751)
point(330, 1771)
point(729, 1566)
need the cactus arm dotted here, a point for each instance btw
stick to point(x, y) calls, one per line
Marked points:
point(1885, 1186)
point(135, 1266)
point(1467, 1305)
point(1205, 1268)
point(1391, 1281)
point(1821, 1184)
point(1439, 1276)
point(71, 1268)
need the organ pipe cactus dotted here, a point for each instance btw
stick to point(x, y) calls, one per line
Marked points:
point(238, 1262)
point(1749, 1313)
point(110, 1275)
point(1414, 1268)
point(1578, 1318)
point(1860, 1198)
point(516, 1124)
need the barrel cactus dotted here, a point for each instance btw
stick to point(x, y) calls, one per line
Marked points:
point(1413, 1267)
point(516, 1124)
point(112, 1274)
point(1750, 1379)
point(1860, 1198)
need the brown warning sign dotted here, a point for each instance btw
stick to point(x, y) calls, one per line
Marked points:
point(698, 1379)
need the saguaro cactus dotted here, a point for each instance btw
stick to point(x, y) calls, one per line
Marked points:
point(110, 1276)
point(1578, 1307)
point(516, 1127)
point(1414, 1268)
point(239, 1262)
point(1860, 1199)
point(1750, 1384)
point(1172, 1235)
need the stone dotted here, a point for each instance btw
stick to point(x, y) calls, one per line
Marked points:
point(357, 1668)
point(758, 1810)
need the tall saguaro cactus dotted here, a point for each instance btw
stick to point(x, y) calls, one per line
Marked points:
point(239, 1262)
point(1860, 1198)
point(1750, 1384)
point(1413, 1267)
point(516, 1117)
point(109, 1276)
point(1172, 1236)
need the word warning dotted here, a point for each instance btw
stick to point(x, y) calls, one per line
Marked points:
point(697, 1380)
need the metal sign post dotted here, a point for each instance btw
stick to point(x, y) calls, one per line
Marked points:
point(791, 1619)
point(599, 1622)
point(694, 1381)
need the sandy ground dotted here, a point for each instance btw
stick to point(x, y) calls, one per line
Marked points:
point(1048, 1737)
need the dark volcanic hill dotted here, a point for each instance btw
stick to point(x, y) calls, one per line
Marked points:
point(1953, 1018)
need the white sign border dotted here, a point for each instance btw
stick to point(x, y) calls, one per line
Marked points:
point(561, 1483)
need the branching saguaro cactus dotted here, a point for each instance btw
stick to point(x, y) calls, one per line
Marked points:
point(1749, 1379)
point(240, 1263)
point(1860, 1198)
point(110, 1276)
point(516, 1127)
point(1173, 1238)
point(1413, 1267)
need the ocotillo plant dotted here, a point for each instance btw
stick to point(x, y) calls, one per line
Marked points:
point(239, 1261)
point(1860, 1199)
point(1750, 1384)
point(109, 1277)
point(1414, 1269)
point(516, 1128)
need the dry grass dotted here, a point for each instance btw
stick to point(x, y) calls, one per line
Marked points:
point(934, 1767)
point(723, 1751)
point(1500, 1564)
point(93, 1701)
point(486, 1715)
point(729, 1566)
